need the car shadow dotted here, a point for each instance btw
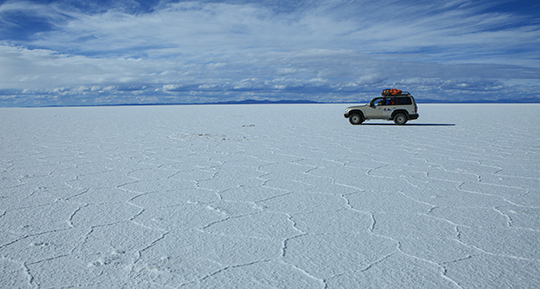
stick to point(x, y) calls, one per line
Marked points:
point(413, 124)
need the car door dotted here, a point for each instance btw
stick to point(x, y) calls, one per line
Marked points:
point(375, 108)
point(388, 107)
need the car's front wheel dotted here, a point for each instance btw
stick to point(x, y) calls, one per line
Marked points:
point(400, 119)
point(356, 118)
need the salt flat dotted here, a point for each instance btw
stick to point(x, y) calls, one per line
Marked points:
point(269, 196)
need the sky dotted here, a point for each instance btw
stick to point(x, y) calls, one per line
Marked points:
point(60, 52)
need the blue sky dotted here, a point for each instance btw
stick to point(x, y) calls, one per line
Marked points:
point(60, 52)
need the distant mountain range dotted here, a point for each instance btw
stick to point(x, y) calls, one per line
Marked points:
point(253, 101)
point(247, 101)
point(530, 99)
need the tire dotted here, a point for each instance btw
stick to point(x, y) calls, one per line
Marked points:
point(356, 118)
point(400, 119)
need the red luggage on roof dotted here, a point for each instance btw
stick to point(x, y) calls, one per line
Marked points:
point(393, 91)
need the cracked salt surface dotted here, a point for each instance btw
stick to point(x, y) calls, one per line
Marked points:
point(269, 196)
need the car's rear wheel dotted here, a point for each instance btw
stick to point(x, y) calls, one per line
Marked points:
point(356, 118)
point(400, 119)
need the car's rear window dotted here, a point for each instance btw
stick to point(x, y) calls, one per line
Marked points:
point(404, 100)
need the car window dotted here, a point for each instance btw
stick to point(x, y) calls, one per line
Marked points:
point(384, 101)
point(404, 101)
point(378, 101)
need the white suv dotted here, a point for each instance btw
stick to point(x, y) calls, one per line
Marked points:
point(399, 108)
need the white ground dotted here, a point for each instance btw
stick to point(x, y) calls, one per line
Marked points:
point(269, 196)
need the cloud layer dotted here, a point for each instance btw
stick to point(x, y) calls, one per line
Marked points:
point(207, 51)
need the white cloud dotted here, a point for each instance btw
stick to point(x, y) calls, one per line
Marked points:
point(200, 49)
point(190, 29)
